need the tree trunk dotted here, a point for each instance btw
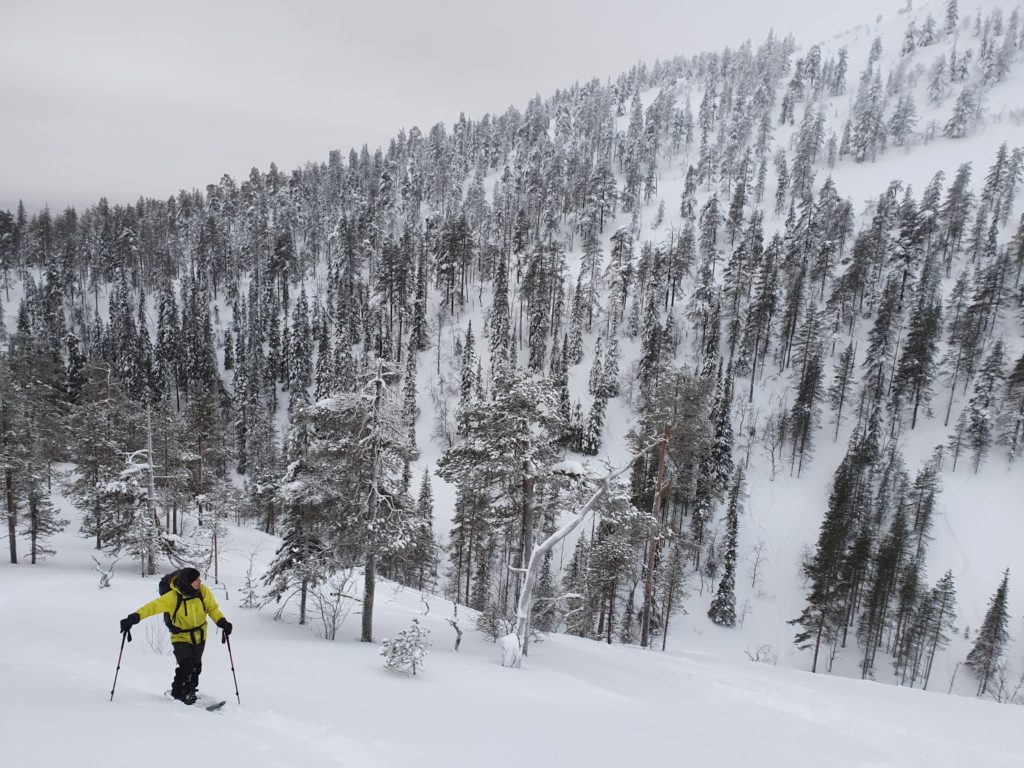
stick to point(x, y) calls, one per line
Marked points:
point(527, 542)
point(199, 482)
point(33, 511)
point(12, 515)
point(369, 583)
point(370, 571)
point(652, 544)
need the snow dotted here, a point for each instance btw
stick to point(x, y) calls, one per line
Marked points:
point(572, 468)
point(309, 702)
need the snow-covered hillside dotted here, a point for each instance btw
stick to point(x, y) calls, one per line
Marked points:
point(388, 361)
point(310, 703)
point(979, 528)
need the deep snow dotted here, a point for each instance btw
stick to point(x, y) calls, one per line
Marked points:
point(307, 702)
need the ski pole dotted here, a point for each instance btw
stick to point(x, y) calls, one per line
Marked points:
point(124, 635)
point(225, 639)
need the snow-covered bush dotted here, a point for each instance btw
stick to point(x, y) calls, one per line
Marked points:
point(408, 650)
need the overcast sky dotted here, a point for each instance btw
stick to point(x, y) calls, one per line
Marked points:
point(134, 97)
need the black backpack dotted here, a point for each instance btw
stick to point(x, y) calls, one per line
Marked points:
point(164, 586)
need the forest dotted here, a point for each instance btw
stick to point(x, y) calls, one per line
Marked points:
point(279, 351)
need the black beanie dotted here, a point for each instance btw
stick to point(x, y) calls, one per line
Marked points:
point(186, 576)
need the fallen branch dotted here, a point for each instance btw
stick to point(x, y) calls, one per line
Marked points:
point(105, 575)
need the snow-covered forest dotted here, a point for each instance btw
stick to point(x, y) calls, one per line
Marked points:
point(725, 353)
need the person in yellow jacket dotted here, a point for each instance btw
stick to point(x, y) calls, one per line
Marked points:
point(185, 607)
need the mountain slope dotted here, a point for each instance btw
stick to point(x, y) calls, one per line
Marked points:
point(311, 703)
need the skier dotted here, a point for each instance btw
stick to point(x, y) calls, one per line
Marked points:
point(185, 606)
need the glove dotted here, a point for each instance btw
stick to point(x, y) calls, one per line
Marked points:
point(129, 621)
point(225, 625)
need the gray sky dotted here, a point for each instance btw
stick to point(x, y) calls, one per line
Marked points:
point(122, 98)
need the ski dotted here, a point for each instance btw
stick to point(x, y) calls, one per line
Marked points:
point(214, 707)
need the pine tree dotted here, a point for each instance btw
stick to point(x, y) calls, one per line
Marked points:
point(1013, 433)
point(573, 346)
point(903, 120)
point(881, 591)
point(596, 380)
point(990, 645)
point(578, 591)
point(416, 565)
point(913, 378)
point(952, 16)
point(610, 374)
point(542, 615)
point(943, 600)
point(825, 616)
point(964, 115)
point(41, 520)
point(720, 458)
point(881, 340)
point(723, 606)
point(982, 411)
point(938, 80)
point(805, 413)
point(590, 440)
point(842, 383)
point(508, 444)
point(757, 330)
point(324, 380)
point(407, 652)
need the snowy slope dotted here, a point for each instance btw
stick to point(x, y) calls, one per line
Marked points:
point(309, 703)
point(979, 526)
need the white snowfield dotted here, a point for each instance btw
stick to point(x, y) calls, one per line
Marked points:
point(307, 702)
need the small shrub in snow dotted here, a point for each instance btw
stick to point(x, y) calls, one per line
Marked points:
point(764, 654)
point(408, 650)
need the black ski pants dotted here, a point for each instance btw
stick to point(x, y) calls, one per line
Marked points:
point(190, 664)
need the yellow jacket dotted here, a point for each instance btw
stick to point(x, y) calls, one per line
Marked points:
point(188, 614)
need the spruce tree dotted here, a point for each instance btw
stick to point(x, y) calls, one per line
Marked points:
point(915, 373)
point(987, 653)
point(842, 383)
point(943, 598)
point(825, 616)
point(982, 411)
point(964, 115)
point(723, 606)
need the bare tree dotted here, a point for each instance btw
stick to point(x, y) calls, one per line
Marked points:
point(105, 575)
point(757, 559)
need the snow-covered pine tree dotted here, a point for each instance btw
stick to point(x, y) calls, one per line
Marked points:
point(964, 116)
point(723, 606)
point(952, 17)
point(408, 650)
